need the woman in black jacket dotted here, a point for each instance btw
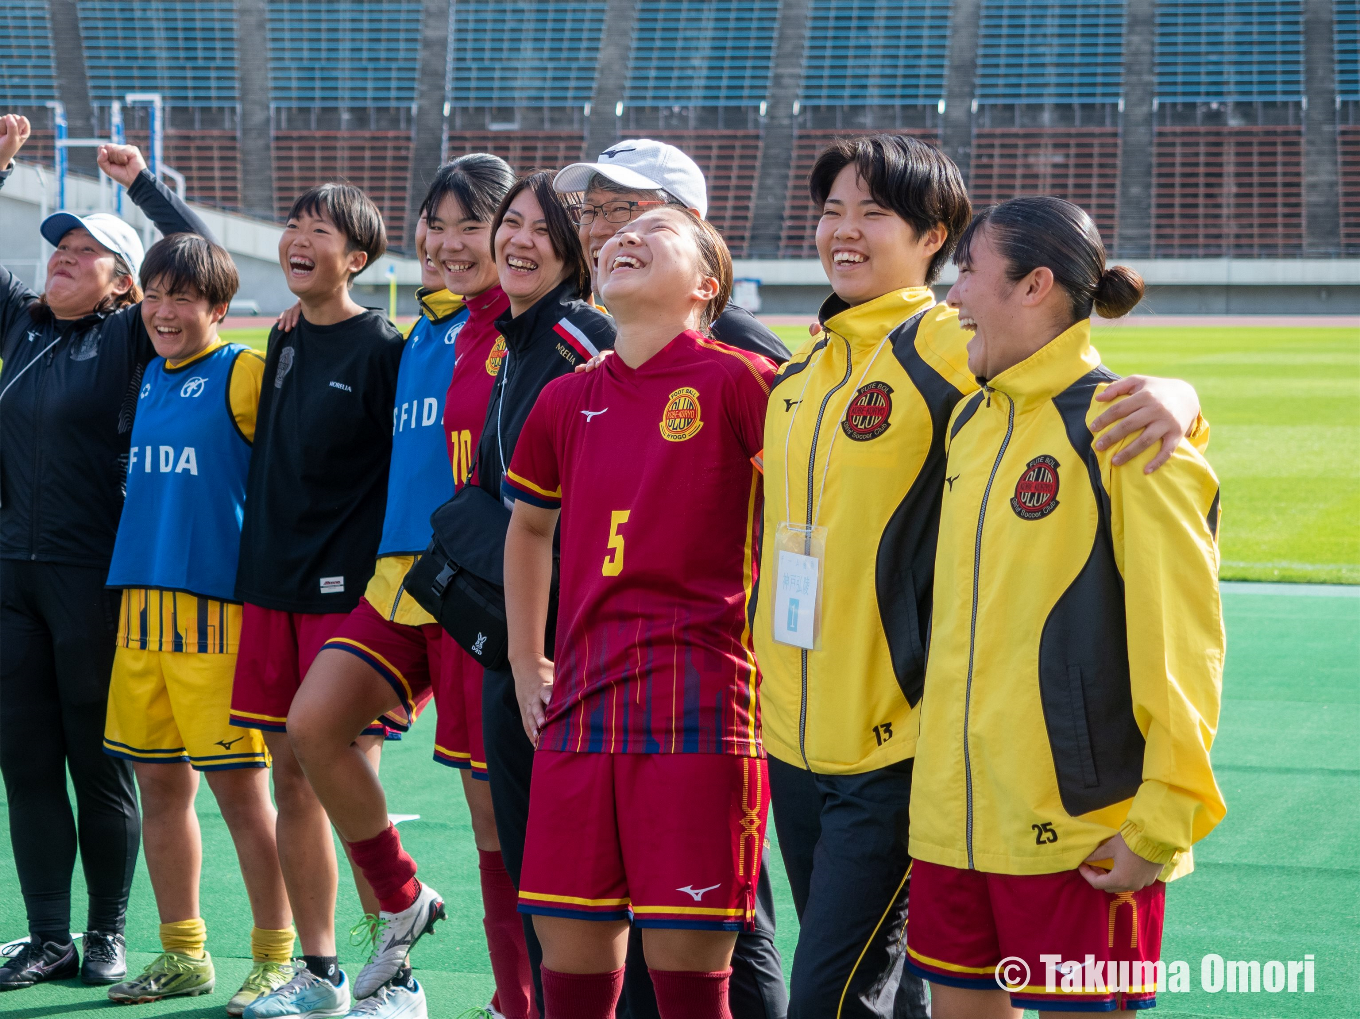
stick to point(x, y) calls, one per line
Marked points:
point(73, 361)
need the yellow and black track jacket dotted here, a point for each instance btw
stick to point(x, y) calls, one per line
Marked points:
point(854, 441)
point(1076, 661)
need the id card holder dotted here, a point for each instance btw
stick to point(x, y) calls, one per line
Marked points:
point(800, 561)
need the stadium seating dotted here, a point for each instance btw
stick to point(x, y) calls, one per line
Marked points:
point(1079, 164)
point(875, 52)
point(1348, 146)
point(376, 161)
point(523, 150)
point(547, 60)
point(1228, 191)
point(1050, 52)
point(26, 43)
point(1229, 50)
point(343, 53)
point(183, 49)
point(695, 53)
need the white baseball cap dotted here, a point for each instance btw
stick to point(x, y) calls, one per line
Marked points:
point(645, 165)
point(106, 228)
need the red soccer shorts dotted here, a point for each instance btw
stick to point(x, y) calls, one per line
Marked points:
point(458, 700)
point(668, 840)
point(407, 657)
point(275, 652)
point(1097, 951)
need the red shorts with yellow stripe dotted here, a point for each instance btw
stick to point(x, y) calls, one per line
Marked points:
point(666, 840)
point(1051, 940)
point(407, 657)
point(275, 652)
point(458, 701)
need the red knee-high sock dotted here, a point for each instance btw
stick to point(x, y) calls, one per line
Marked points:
point(691, 995)
point(580, 995)
point(505, 938)
point(388, 868)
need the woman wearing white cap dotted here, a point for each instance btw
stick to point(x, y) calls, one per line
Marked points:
point(73, 361)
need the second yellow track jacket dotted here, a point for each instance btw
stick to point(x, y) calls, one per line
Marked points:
point(854, 442)
point(1076, 659)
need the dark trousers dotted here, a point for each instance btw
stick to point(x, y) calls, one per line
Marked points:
point(757, 987)
point(57, 627)
point(844, 843)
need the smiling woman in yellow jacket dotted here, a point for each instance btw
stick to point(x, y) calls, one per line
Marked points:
point(854, 462)
point(1075, 671)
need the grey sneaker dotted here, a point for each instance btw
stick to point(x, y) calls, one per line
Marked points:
point(306, 996)
point(394, 935)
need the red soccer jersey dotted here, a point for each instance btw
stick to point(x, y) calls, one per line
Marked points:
point(660, 504)
point(474, 373)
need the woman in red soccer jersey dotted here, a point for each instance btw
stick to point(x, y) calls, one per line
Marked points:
point(649, 787)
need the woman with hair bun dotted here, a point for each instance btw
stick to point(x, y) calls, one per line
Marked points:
point(1072, 691)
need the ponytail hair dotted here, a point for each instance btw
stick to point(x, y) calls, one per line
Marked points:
point(1053, 233)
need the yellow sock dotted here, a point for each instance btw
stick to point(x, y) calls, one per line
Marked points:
point(187, 937)
point(271, 946)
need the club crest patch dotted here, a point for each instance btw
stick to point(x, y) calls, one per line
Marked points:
point(1036, 493)
point(867, 415)
point(497, 355)
point(680, 420)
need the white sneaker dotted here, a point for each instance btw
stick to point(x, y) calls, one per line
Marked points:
point(394, 935)
point(306, 996)
point(393, 1001)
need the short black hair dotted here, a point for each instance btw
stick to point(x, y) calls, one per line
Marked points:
point(478, 181)
point(913, 179)
point(566, 243)
point(353, 214)
point(188, 263)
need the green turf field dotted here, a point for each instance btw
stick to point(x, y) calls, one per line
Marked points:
point(1284, 411)
point(1277, 880)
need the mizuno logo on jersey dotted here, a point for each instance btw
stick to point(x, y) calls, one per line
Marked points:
point(163, 459)
point(591, 415)
point(697, 893)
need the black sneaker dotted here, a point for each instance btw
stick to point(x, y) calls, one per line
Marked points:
point(105, 958)
point(33, 964)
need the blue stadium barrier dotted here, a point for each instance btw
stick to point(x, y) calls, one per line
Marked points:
point(692, 53)
point(28, 78)
point(875, 52)
point(1230, 51)
point(1046, 52)
point(328, 53)
point(547, 58)
point(183, 49)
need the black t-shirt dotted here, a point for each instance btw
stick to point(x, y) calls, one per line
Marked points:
point(738, 328)
point(318, 473)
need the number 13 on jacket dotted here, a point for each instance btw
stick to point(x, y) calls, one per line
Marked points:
point(799, 568)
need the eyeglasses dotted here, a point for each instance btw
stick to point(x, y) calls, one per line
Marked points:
point(613, 212)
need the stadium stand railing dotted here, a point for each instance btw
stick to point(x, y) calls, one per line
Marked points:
point(694, 53)
point(1222, 192)
point(875, 52)
point(209, 160)
point(376, 161)
point(1078, 164)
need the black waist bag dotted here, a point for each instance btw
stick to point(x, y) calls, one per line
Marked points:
point(460, 578)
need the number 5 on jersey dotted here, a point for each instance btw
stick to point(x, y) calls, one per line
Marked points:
point(613, 562)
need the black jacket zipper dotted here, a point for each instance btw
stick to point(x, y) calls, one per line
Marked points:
point(807, 541)
point(972, 622)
